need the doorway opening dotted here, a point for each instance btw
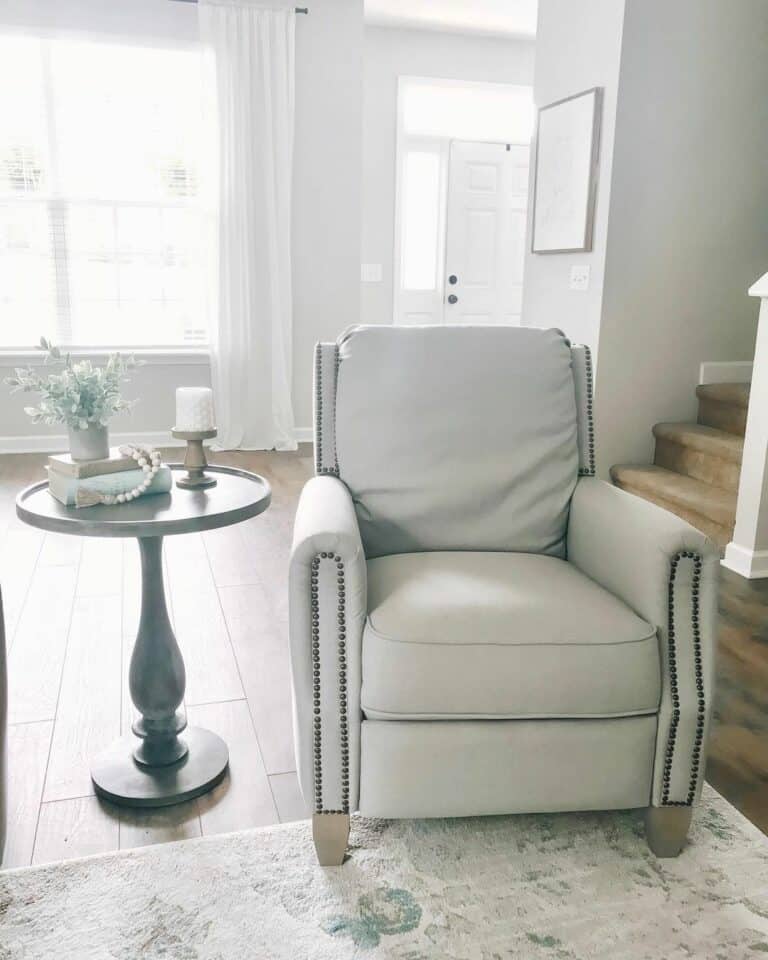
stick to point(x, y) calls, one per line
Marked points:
point(461, 200)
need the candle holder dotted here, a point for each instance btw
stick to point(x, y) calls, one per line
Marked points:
point(194, 459)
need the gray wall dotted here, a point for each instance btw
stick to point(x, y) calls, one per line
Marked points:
point(688, 228)
point(389, 53)
point(578, 46)
point(326, 198)
point(682, 225)
point(326, 209)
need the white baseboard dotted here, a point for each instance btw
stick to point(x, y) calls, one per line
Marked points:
point(725, 371)
point(57, 443)
point(752, 564)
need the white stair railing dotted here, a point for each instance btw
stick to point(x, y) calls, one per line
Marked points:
point(747, 553)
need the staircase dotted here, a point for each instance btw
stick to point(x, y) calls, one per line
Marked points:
point(695, 470)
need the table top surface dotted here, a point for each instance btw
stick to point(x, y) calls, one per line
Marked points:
point(237, 496)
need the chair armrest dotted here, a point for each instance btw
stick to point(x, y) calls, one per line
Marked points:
point(3, 731)
point(667, 572)
point(327, 609)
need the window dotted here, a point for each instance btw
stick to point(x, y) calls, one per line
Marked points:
point(102, 176)
point(421, 219)
point(464, 110)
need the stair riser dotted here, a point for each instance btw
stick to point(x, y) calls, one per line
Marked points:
point(706, 467)
point(722, 416)
point(716, 531)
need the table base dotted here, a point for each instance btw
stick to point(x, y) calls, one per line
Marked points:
point(118, 778)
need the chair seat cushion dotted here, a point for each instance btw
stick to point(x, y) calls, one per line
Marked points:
point(501, 635)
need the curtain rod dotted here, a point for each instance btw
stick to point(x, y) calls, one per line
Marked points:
point(295, 9)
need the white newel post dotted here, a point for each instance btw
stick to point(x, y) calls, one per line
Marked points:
point(747, 553)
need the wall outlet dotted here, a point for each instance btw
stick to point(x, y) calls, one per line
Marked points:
point(580, 276)
point(371, 272)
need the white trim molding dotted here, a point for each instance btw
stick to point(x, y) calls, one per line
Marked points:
point(56, 443)
point(752, 564)
point(747, 553)
point(162, 356)
point(725, 371)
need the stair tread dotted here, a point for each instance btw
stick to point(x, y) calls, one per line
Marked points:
point(735, 394)
point(702, 498)
point(697, 436)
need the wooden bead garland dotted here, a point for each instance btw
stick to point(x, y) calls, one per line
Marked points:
point(149, 461)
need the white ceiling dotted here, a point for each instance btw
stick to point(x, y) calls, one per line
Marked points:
point(504, 17)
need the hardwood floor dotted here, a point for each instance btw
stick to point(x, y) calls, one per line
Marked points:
point(71, 608)
point(738, 755)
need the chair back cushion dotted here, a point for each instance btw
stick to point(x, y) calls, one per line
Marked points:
point(456, 438)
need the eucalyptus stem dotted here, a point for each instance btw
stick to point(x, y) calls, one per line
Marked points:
point(81, 394)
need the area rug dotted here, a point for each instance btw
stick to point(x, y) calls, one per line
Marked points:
point(553, 887)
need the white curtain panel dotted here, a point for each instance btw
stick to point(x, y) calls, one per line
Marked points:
point(252, 53)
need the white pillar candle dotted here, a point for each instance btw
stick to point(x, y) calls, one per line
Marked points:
point(194, 409)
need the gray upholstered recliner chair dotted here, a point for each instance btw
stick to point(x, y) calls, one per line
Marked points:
point(478, 625)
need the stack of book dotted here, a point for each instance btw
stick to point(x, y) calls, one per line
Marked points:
point(82, 482)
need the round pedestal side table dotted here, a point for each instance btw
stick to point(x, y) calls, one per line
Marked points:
point(163, 761)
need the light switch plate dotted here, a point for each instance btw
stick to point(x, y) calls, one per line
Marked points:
point(580, 276)
point(370, 272)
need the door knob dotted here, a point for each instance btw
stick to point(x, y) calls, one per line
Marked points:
point(453, 278)
point(453, 298)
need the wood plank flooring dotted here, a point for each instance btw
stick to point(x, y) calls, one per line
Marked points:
point(72, 608)
point(738, 755)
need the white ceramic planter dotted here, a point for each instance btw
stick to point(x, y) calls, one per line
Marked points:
point(89, 444)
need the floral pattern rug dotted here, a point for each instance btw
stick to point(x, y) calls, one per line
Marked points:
point(547, 887)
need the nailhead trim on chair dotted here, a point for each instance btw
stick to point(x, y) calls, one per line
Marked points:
point(589, 471)
point(673, 685)
point(317, 741)
point(336, 365)
point(319, 468)
point(318, 408)
point(342, 667)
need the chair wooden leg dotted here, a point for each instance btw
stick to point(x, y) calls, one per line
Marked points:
point(330, 831)
point(666, 829)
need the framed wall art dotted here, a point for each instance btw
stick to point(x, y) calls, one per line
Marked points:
point(566, 166)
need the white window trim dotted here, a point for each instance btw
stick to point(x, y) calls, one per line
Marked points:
point(152, 356)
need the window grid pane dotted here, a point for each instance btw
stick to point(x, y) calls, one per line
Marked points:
point(111, 251)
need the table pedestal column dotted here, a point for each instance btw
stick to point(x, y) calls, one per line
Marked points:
point(157, 766)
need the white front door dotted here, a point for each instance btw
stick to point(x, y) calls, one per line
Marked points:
point(485, 232)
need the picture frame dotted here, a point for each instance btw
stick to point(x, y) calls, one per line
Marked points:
point(566, 172)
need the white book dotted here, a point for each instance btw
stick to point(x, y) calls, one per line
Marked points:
point(116, 462)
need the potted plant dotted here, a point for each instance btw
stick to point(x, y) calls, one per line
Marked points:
point(81, 395)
